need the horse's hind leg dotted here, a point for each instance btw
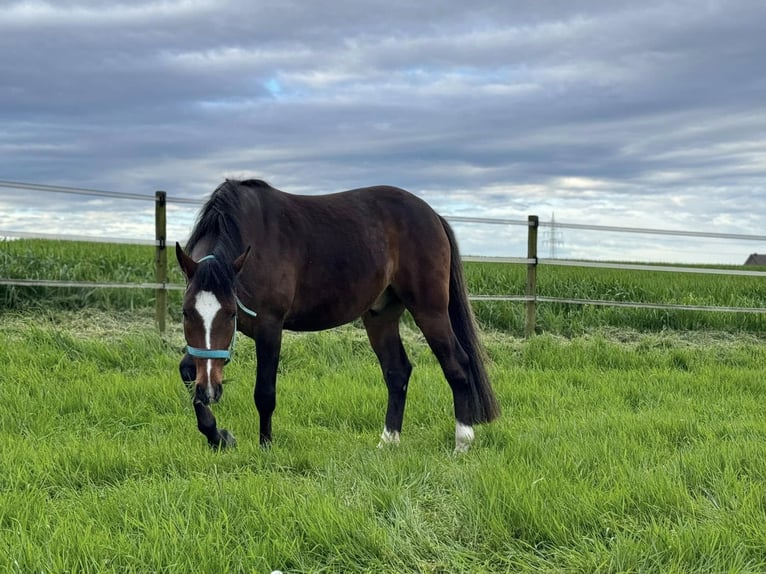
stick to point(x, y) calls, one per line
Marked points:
point(454, 361)
point(383, 332)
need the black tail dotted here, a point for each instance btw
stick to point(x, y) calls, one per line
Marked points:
point(485, 407)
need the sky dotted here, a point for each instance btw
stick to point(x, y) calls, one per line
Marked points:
point(646, 114)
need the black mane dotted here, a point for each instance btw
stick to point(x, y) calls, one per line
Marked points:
point(219, 221)
point(253, 183)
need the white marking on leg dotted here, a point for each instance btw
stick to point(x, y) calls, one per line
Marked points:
point(463, 437)
point(207, 306)
point(388, 437)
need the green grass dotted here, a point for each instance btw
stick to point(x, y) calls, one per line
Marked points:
point(44, 259)
point(617, 452)
point(79, 261)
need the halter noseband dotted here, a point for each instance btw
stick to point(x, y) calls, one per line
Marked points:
point(220, 353)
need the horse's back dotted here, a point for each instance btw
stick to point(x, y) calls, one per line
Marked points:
point(331, 257)
point(368, 207)
point(369, 223)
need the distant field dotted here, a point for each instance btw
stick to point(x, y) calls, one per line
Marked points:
point(129, 263)
point(619, 452)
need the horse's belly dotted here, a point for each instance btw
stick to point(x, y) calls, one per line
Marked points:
point(326, 311)
point(320, 319)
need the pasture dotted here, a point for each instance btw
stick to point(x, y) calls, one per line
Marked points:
point(620, 449)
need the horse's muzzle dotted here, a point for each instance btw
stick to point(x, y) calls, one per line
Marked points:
point(208, 393)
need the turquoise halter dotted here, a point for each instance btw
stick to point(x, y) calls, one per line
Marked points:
point(220, 353)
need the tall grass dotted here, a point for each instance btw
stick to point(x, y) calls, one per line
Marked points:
point(643, 454)
point(77, 261)
point(617, 285)
point(74, 261)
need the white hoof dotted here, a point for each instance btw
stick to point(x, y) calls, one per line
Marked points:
point(388, 437)
point(463, 437)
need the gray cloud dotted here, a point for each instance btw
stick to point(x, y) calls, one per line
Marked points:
point(640, 114)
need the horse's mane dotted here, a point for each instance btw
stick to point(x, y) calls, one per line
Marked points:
point(255, 183)
point(219, 218)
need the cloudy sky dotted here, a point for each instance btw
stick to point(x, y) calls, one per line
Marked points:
point(638, 114)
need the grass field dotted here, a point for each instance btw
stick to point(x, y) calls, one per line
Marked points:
point(629, 453)
point(631, 440)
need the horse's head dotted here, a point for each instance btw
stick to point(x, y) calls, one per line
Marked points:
point(210, 318)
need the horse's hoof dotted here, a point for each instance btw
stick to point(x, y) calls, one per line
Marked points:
point(461, 448)
point(226, 440)
point(389, 438)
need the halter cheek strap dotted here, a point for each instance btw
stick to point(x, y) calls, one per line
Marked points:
point(220, 353)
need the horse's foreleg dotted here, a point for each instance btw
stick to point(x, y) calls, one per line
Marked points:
point(187, 370)
point(216, 438)
point(268, 342)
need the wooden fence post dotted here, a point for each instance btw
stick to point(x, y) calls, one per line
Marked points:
point(529, 327)
point(161, 259)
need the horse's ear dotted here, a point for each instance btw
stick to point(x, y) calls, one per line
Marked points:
point(188, 265)
point(239, 262)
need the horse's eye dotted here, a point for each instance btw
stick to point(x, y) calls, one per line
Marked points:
point(185, 314)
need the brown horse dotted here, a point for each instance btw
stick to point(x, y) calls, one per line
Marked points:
point(260, 260)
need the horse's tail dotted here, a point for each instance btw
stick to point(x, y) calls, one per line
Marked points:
point(484, 405)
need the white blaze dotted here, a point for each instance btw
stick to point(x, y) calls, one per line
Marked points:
point(207, 306)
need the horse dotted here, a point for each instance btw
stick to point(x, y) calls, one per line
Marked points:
point(260, 260)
